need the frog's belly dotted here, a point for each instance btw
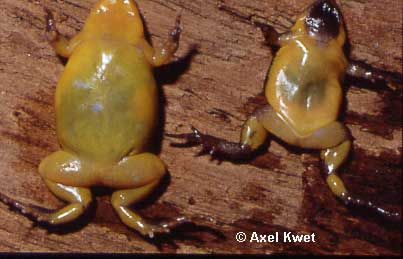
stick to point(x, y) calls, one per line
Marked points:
point(303, 122)
point(306, 97)
point(107, 108)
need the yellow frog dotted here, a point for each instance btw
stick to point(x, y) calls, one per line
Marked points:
point(304, 96)
point(106, 110)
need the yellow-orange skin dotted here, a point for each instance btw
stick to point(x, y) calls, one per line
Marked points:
point(106, 110)
point(304, 94)
point(303, 84)
point(106, 99)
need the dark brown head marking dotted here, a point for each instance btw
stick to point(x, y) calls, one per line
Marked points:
point(323, 19)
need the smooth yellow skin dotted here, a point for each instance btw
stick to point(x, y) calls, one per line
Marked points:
point(304, 95)
point(303, 84)
point(253, 133)
point(334, 158)
point(106, 110)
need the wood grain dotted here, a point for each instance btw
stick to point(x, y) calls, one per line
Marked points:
point(277, 191)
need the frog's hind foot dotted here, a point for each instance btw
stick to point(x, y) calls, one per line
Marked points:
point(150, 229)
point(350, 200)
point(37, 214)
point(80, 198)
point(121, 201)
point(191, 139)
point(217, 148)
point(170, 224)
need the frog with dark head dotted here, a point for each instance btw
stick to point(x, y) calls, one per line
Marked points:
point(304, 97)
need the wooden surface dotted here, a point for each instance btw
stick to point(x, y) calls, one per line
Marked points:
point(281, 190)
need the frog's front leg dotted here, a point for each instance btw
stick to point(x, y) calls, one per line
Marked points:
point(136, 177)
point(361, 71)
point(60, 44)
point(162, 55)
point(272, 37)
point(357, 70)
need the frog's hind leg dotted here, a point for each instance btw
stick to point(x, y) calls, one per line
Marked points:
point(333, 159)
point(55, 166)
point(136, 177)
point(334, 140)
point(253, 136)
point(60, 44)
point(65, 176)
point(78, 198)
point(121, 201)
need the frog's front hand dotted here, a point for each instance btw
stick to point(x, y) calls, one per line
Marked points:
point(273, 38)
point(175, 34)
point(362, 71)
point(217, 148)
point(51, 31)
point(162, 55)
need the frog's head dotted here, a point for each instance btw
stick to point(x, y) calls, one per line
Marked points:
point(117, 19)
point(324, 21)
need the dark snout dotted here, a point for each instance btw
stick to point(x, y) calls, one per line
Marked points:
point(323, 19)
